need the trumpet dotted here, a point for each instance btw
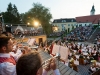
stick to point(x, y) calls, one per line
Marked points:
point(45, 64)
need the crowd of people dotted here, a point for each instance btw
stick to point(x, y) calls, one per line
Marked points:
point(28, 33)
point(98, 36)
point(80, 54)
point(21, 60)
point(81, 33)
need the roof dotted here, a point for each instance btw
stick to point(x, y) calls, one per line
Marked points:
point(64, 20)
point(19, 25)
point(21, 28)
point(91, 18)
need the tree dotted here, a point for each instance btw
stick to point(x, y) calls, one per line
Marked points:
point(16, 14)
point(9, 9)
point(11, 15)
point(41, 14)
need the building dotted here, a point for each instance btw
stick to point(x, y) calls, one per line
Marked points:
point(64, 24)
point(90, 19)
point(87, 20)
point(20, 27)
point(92, 12)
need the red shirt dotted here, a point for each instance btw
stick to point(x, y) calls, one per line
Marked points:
point(5, 59)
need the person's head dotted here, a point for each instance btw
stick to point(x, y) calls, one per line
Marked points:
point(6, 44)
point(29, 64)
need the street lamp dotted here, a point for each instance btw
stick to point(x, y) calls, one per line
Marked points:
point(6, 25)
point(28, 23)
point(36, 24)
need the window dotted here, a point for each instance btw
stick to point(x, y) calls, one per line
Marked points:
point(72, 20)
point(75, 24)
point(63, 20)
point(64, 28)
point(68, 24)
point(55, 21)
point(62, 25)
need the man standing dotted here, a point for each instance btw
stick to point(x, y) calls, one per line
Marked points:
point(7, 61)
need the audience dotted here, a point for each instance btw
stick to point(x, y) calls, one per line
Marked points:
point(15, 59)
point(80, 34)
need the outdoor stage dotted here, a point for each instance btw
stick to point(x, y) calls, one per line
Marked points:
point(38, 38)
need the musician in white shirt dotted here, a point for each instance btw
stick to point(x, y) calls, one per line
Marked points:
point(7, 60)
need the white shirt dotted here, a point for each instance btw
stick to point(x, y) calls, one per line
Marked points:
point(16, 55)
point(56, 72)
point(7, 68)
point(93, 69)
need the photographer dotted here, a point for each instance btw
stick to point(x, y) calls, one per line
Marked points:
point(31, 64)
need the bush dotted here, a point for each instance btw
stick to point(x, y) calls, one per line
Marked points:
point(95, 26)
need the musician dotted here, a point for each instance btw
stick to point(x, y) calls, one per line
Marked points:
point(7, 61)
point(31, 64)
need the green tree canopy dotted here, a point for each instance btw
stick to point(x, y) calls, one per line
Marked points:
point(41, 14)
point(11, 15)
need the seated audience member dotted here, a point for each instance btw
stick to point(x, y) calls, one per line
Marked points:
point(7, 61)
point(31, 64)
point(92, 68)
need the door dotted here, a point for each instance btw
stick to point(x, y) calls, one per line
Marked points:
point(40, 40)
point(68, 29)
